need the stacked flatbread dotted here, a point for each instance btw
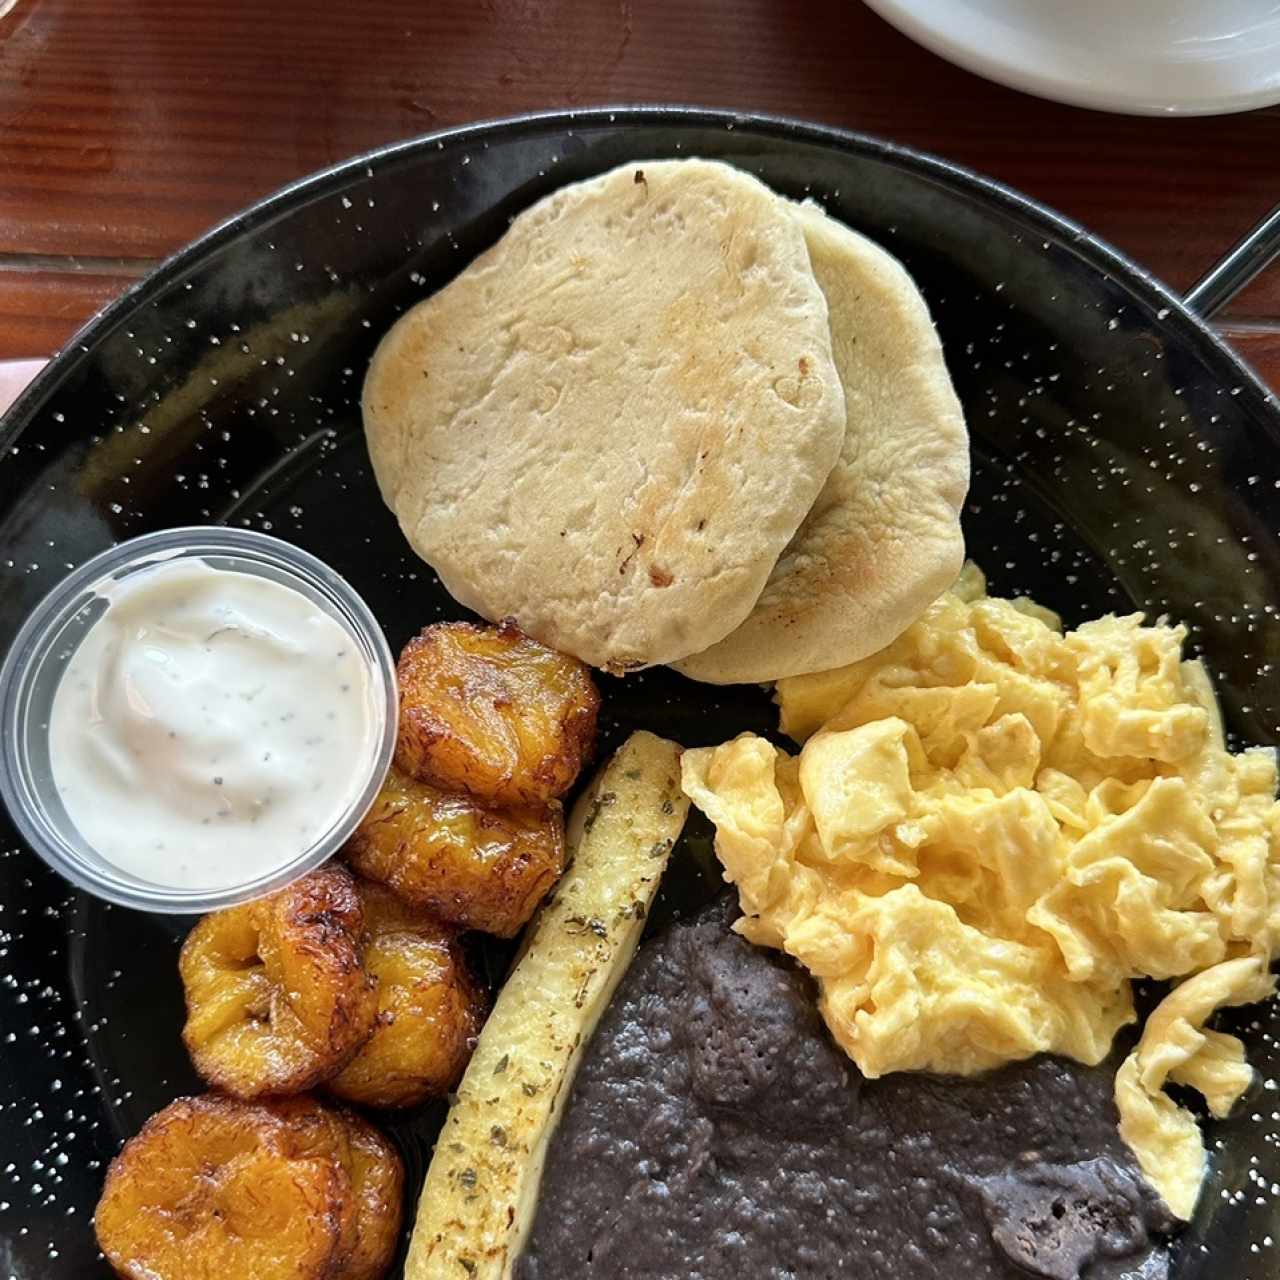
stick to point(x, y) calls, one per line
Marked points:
point(672, 417)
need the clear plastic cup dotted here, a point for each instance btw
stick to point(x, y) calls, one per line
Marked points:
point(56, 626)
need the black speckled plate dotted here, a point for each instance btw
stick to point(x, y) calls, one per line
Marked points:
point(1123, 459)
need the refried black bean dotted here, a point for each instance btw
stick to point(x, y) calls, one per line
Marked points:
point(716, 1130)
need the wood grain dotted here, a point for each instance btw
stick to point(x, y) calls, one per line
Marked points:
point(1259, 344)
point(126, 129)
point(41, 308)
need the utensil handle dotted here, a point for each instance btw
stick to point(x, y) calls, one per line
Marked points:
point(1235, 268)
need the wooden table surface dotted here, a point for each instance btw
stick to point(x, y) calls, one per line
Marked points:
point(129, 126)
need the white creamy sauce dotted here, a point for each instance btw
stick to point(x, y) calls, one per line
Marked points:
point(210, 726)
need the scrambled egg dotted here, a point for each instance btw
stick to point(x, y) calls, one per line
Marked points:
point(991, 829)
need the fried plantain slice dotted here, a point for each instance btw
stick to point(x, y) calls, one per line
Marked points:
point(376, 1175)
point(277, 996)
point(430, 1008)
point(467, 865)
point(215, 1187)
point(489, 711)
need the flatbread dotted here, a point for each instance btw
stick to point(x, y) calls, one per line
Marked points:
point(883, 538)
point(611, 424)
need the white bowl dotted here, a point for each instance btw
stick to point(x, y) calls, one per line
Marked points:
point(1143, 57)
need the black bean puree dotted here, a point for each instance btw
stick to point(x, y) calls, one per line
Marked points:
point(715, 1130)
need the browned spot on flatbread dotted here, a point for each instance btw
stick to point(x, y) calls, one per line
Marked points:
point(638, 539)
point(660, 577)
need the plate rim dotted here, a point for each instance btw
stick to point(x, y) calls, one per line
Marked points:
point(1087, 246)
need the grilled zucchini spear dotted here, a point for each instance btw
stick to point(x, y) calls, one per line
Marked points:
point(482, 1187)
